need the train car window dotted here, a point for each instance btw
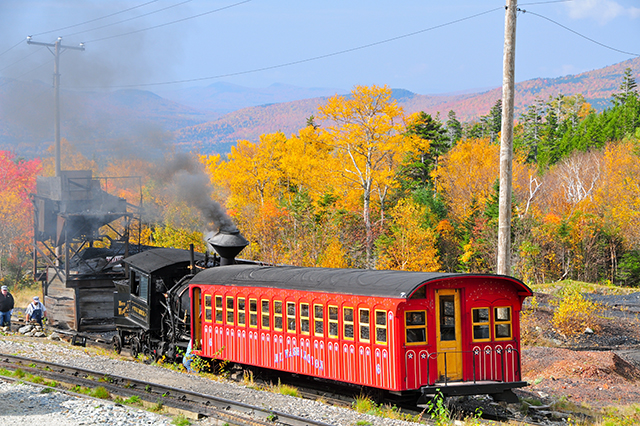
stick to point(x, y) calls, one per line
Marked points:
point(502, 322)
point(253, 313)
point(207, 307)
point(347, 323)
point(144, 286)
point(447, 318)
point(481, 327)
point(277, 315)
point(381, 327)
point(265, 314)
point(365, 325)
point(291, 317)
point(333, 321)
point(304, 318)
point(420, 293)
point(415, 326)
point(219, 309)
point(318, 320)
point(241, 311)
point(230, 310)
point(135, 283)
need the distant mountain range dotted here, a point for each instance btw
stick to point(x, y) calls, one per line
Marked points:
point(211, 119)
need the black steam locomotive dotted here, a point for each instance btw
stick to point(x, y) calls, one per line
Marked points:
point(152, 306)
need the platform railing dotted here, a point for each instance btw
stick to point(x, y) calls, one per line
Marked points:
point(499, 360)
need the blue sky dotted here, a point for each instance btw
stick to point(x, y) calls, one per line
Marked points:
point(424, 46)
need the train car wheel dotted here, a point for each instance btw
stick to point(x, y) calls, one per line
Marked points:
point(117, 344)
point(135, 347)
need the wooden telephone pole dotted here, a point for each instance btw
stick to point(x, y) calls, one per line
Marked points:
point(57, 50)
point(506, 139)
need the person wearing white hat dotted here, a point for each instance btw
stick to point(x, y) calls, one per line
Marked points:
point(6, 307)
point(35, 311)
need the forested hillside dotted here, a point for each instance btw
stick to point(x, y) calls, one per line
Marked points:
point(249, 123)
point(365, 184)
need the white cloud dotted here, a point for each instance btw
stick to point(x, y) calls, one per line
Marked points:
point(602, 11)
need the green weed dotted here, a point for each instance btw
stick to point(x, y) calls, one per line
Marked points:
point(180, 420)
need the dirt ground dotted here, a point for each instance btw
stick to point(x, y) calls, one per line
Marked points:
point(595, 370)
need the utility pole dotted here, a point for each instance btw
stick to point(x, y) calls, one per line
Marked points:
point(57, 50)
point(506, 139)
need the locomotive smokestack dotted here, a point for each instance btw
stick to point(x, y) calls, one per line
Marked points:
point(227, 244)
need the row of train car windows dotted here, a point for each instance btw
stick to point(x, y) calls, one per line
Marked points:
point(288, 316)
point(481, 319)
point(283, 315)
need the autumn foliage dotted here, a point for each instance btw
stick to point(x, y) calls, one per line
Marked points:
point(17, 182)
point(365, 185)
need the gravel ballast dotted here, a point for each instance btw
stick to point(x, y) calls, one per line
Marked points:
point(24, 404)
point(71, 410)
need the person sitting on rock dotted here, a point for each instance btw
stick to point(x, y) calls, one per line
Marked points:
point(36, 311)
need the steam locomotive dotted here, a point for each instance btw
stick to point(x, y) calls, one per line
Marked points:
point(403, 333)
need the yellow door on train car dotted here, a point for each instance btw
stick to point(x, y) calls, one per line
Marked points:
point(196, 303)
point(449, 335)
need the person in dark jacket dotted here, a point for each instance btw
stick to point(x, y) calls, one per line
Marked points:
point(6, 307)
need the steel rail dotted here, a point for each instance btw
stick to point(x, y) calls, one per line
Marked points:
point(181, 399)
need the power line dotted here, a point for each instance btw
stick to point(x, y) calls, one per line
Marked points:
point(96, 19)
point(315, 58)
point(169, 23)
point(29, 72)
point(545, 2)
point(22, 59)
point(581, 35)
point(12, 47)
point(129, 19)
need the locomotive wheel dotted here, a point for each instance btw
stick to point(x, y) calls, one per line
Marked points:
point(117, 344)
point(161, 350)
point(171, 353)
point(135, 347)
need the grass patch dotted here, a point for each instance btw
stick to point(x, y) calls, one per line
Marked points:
point(621, 416)
point(28, 377)
point(285, 390)
point(599, 288)
point(101, 393)
point(366, 405)
point(133, 400)
point(180, 420)
point(157, 407)
point(81, 389)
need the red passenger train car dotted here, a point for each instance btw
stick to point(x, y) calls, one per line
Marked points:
point(404, 332)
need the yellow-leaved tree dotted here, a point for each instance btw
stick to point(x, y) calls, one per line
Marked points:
point(70, 159)
point(466, 176)
point(411, 245)
point(366, 132)
point(619, 193)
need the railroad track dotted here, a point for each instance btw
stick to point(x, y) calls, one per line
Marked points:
point(195, 405)
point(191, 404)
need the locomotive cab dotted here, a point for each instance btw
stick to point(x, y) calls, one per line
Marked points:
point(151, 307)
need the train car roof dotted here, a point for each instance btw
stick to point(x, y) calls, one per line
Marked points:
point(155, 259)
point(393, 284)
